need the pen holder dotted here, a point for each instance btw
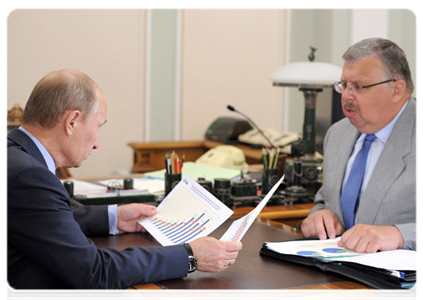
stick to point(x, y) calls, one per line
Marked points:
point(269, 179)
point(171, 180)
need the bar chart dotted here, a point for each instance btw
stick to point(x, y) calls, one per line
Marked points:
point(187, 213)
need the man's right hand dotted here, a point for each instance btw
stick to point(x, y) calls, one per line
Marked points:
point(214, 255)
point(322, 224)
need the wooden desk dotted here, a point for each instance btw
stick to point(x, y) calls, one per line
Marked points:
point(288, 214)
point(150, 156)
point(251, 271)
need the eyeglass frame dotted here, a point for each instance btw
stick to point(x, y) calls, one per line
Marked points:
point(359, 87)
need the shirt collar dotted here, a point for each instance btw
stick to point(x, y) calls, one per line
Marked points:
point(47, 157)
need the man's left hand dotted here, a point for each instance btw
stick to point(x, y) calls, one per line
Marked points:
point(130, 214)
point(365, 238)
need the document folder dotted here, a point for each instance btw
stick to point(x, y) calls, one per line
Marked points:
point(379, 278)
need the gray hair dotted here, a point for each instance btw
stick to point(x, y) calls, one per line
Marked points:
point(393, 58)
point(58, 92)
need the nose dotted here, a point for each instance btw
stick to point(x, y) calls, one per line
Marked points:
point(96, 144)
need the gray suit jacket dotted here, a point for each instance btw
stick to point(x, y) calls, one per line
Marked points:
point(390, 196)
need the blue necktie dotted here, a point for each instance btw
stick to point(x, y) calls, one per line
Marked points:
point(351, 192)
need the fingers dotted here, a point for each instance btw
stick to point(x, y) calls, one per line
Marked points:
point(322, 224)
point(329, 224)
point(365, 238)
point(320, 228)
point(134, 211)
point(214, 255)
point(146, 210)
point(229, 263)
point(338, 228)
point(355, 241)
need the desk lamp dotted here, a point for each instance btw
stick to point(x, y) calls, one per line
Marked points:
point(310, 77)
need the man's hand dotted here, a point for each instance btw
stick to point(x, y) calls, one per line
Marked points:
point(214, 255)
point(322, 224)
point(129, 215)
point(365, 238)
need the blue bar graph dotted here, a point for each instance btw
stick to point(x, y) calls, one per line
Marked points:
point(181, 232)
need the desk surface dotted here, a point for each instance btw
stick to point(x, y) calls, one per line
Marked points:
point(251, 271)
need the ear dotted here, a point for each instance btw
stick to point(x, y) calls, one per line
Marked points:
point(399, 88)
point(72, 119)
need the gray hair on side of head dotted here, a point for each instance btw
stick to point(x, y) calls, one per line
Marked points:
point(58, 92)
point(393, 58)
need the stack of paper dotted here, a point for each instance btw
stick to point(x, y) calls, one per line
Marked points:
point(386, 269)
point(195, 171)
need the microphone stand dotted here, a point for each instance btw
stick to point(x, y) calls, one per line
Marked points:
point(231, 108)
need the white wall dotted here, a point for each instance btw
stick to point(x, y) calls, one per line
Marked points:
point(219, 57)
point(105, 44)
point(228, 56)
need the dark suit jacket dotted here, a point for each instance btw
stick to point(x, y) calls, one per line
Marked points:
point(47, 242)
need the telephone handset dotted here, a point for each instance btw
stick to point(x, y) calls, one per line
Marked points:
point(224, 156)
point(254, 137)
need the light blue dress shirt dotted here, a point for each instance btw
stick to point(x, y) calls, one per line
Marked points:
point(112, 209)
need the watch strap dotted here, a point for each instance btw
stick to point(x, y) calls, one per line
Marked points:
point(189, 249)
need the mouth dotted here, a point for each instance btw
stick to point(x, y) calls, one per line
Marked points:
point(350, 109)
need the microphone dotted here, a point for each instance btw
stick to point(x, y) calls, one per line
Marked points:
point(231, 108)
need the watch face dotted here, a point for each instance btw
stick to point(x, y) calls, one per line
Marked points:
point(192, 264)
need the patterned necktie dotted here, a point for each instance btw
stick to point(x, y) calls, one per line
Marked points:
point(351, 192)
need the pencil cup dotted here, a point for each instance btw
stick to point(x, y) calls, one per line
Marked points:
point(269, 179)
point(171, 180)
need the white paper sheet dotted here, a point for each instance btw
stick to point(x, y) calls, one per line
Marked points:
point(86, 188)
point(240, 227)
point(187, 213)
point(403, 260)
point(153, 185)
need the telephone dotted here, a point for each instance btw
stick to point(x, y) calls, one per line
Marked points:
point(283, 140)
point(224, 156)
point(226, 129)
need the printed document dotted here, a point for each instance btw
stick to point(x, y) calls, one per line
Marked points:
point(240, 227)
point(187, 213)
point(328, 250)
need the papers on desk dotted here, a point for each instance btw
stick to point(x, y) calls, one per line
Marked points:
point(86, 188)
point(87, 193)
point(91, 190)
point(386, 269)
point(153, 185)
point(330, 251)
point(187, 213)
point(195, 171)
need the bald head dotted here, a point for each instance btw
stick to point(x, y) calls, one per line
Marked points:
point(58, 92)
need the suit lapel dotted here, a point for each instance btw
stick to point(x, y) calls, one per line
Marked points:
point(349, 135)
point(20, 138)
point(389, 166)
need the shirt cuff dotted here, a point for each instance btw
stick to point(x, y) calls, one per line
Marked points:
point(112, 211)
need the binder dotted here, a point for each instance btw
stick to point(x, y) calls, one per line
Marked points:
point(378, 278)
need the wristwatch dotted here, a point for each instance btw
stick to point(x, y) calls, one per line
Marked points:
point(192, 261)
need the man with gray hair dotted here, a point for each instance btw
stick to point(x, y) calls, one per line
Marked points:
point(369, 190)
point(48, 245)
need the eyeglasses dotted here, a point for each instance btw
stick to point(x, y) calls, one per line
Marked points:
point(356, 89)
